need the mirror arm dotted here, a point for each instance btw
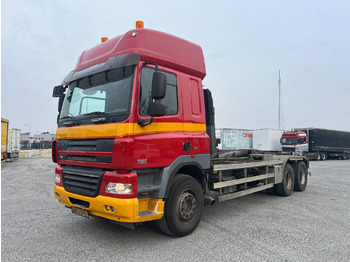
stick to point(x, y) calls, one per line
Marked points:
point(143, 122)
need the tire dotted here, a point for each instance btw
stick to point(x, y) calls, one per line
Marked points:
point(271, 191)
point(300, 176)
point(287, 186)
point(323, 156)
point(318, 156)
point(344, 157)
point(184, 207)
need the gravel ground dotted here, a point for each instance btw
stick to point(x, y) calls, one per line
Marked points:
point(310, 226)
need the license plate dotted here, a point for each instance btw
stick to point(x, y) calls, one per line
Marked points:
point(81, 212)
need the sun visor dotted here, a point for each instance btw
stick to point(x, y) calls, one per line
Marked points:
point(112, 63)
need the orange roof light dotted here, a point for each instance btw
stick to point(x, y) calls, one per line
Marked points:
point(104, 39)
point(139, 24)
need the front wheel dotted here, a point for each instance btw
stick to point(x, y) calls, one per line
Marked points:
point(184, 207)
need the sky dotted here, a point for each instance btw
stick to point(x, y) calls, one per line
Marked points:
point(245, 44)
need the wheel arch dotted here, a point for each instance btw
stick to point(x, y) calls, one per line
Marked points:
point(192, 169)
point(193, 166)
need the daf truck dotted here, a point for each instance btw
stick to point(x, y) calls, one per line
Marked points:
point(136, 138)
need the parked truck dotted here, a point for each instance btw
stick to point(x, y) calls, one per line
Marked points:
point(4, 138)
point(13, 144)
point(317, 143)
point(10, 141)
point(136, 138)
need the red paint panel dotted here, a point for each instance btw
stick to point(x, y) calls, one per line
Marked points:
point(157, 150)
point(84, 153)
point(153, 46)
point(87, 164)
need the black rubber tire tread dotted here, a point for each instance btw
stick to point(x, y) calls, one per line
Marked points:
point(282, 189)
point(169, 223)
point(162, 226)
point(271, 191)
point(161, 223)
point(298, 168)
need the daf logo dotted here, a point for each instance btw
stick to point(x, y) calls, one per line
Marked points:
point(141, 161)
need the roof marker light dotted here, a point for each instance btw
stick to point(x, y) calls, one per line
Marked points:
point(104, 39)
point(139, 24)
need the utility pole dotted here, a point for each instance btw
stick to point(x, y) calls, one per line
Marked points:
point(280, 109)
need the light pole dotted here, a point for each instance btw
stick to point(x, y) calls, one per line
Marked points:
point(30, 128)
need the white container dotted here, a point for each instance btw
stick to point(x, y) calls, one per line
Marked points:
point(13, 143)
point(267, 140)
point(234, 138)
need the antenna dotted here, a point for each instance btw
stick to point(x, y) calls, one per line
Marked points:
point(280, 108)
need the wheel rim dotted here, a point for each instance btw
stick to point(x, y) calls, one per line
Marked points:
point(187, 206)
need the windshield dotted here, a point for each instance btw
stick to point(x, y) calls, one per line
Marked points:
point(292, 141)
point(106, 95)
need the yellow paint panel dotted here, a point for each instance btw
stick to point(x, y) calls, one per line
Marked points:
point(95, 131)
point(4, 133)
point(125, 209)
point(120, 130)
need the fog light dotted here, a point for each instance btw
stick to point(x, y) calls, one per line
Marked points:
point(119, 188)
point(57, 178)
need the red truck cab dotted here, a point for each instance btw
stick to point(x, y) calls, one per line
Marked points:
point(295, 141)
point(131, 117)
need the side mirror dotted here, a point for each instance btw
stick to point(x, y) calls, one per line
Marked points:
point(158, 85)
point(156, 109)
point(58, 91)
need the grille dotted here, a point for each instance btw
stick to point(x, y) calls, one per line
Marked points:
point(94, 159)
point(82, 181)
point(78, 146)
point(97, 145)
point(288, 149)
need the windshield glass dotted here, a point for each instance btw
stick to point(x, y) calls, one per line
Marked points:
point(105, 94)
point(289, 141)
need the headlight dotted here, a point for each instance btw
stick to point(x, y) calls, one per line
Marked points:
point(119, 188)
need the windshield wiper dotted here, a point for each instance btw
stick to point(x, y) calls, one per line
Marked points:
point(71, 121)
point(104, 117)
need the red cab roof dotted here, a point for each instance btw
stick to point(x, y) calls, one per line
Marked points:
point(293, 134)
point(153, 46)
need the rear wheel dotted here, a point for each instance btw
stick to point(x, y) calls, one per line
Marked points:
point(318, 156)
point(300, 176)
point(323, 156)
point(184, 207)
point(286, 187)
point(344, 157)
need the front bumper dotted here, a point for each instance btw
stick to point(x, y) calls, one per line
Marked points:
point(127, 210)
